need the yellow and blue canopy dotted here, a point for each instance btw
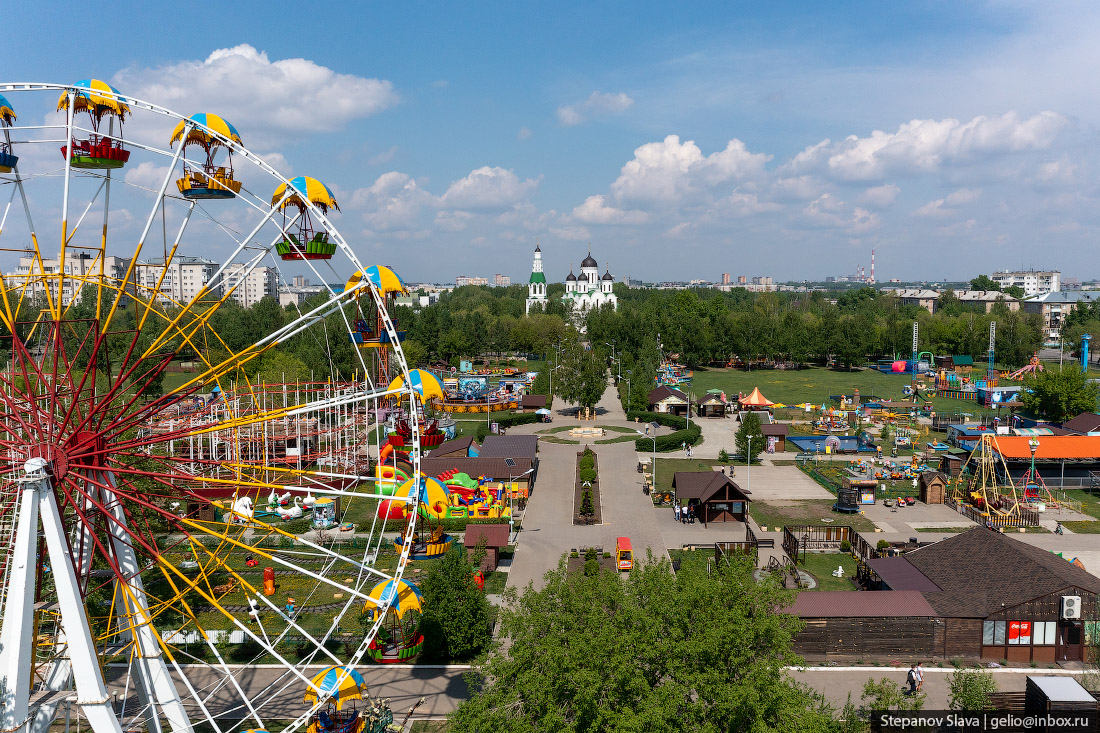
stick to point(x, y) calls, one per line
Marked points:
point(100, 99)
point(202, 137)
point(384, 279)
point(312, 189)
point(7, 114)
point(402, 596)
point(339, 684)
point(426, 384)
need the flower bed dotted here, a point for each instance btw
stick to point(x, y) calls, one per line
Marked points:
point(586, 494)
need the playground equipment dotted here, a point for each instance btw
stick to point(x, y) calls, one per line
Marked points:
point(398, 639)
point(1033, 367)
point(432, 500)
point(207, 180)
point(989, 489)
point(304, 243)
point(100, 101)
point(336, 687)
point(8, 160)
point(324, 513)
point(107, 477)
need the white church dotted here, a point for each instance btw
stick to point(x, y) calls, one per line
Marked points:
point(587, 291)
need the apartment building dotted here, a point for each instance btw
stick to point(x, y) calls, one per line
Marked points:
point(82, 266)
point(183, 278)
point(1054, 307)
point(1034, 282)
point(250, 287)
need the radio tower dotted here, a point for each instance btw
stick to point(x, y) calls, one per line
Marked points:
point(872, 280)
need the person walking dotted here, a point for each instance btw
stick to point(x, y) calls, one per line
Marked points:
point(920, 676)
point(676, 511)
point(911, 680)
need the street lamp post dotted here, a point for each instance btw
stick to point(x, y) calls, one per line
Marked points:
point(653, 466)
point(748, 466)
point(511, 510)
point(628, 402)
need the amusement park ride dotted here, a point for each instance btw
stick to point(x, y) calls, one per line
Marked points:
point(112, 547)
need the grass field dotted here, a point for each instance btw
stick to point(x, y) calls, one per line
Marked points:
point(805, 511)
point(816, 385)
point(821, 566)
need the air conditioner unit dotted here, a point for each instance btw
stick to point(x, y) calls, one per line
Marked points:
point(1071, 606)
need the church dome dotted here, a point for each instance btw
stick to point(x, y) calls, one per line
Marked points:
point(582, 278)
point(588, 261)
point(570, 277)
point(607, 276)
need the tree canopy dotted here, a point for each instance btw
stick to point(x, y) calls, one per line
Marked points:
point(1059, 394)
point(750, 427)
point(455, 620)
point(686, 651)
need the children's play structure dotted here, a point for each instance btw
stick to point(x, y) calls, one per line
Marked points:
point(985, 488)
point(340, 687)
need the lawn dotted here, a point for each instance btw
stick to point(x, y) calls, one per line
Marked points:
point(822, 565)
point(427, 726)
point(805, 511)
point(666, 467)
point(816, 385)
point(1089, 503)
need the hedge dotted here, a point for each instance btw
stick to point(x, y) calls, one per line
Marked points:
point(674, 441)
point(508, 421)
point(451, 526)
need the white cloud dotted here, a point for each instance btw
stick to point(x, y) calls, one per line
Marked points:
point(948, 203)
point(925, 145)
point(677, 231)
point(524, 133)
point(383, 157)
point(880, 196)
point(598, 104)
point(393, 201)
point(488, 188)
point(595, 211)
point(665, 171)
point(746, 204)
point(830, 212)
point(573, 233)
point(259, 95)
point(148, 175)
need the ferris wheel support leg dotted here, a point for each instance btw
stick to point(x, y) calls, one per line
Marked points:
point(91, 691)
point(16, 643)
point(153, 681)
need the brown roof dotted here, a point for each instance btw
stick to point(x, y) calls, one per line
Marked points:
point(779, 429)
point(496, 535)
point(532, 400)
point(509, 446)
point(703, 485)
point(1084, 423)
point(494, 468)
point(982, 571)
point(663, 392)
point(927, 477)
point(452, 446)
point(711, 398)
point(860, 603)
point(899, 574)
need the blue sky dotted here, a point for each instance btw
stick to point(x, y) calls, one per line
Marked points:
point(786, 139)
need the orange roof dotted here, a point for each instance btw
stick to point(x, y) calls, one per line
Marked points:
point(756, 399)
point(1051, 447)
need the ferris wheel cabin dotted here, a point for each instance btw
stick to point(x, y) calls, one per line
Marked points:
point(8, 160)
point(100, 101)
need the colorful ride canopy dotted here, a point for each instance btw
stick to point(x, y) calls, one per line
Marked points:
point(313, 190)
point(402, 596)
point(383, 279)
point(200, 136)
point(7, 113)
point(338, 684)
point(97, 98)
point(433, 497)
point(426, 384)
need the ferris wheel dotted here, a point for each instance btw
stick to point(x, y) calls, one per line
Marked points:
point(151, 461)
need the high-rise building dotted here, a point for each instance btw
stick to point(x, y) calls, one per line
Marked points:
point(461, 280)
point(300, 281)
point(78, 264)
point(742, 280)
point(725, 278)
point(502, 281)
point(181, 281)
point(249, 287)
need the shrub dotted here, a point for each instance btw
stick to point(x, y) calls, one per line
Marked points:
point(591, 567)
point(969, 689)
point(723, 456)
point(296, 526)
point(590, 554)
point(508, 421)
point(845, 546)
point(882, 545)
point(587, 461)
point(586, 508)
point(587, 475)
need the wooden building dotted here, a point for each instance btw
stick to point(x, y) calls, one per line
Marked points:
point(712, 405)
point(933, 487)
point(951, 464)
point(714, 496)
point(667, 399)
point(776, 436)
point(532, 402)
point(464, 447)
point(495, 537)
point(992, 597)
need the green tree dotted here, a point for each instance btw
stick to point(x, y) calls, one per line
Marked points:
point(750, 427)
point(969, 689)
point(983, 282)
point(604, 653)
point(1015, 291)
point(583, 376)
point(887, 694)
point(455, 620)
point(1059, 394)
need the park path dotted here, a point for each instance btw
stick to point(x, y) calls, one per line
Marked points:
point(548, 530)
